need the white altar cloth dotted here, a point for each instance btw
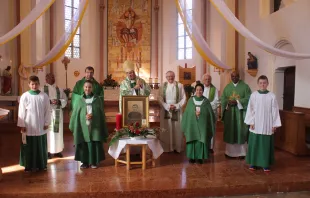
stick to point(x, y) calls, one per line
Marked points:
point(153, 143)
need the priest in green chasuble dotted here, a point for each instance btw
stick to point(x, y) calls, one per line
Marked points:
point(78, 89)
point(89, 128)
point(172, 99)
point(132, 85)
point(198, 126)
point(234, 101)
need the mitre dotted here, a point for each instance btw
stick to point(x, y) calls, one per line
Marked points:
point(128, 66)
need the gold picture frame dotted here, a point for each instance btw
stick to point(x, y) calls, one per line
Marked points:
point(135, 109)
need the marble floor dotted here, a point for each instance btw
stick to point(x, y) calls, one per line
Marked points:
point(173, 176)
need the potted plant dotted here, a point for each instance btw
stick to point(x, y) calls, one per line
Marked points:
point(109, 82)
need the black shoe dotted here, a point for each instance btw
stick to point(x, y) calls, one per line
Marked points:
point(192, 161)
point(227, 156)
point(200, 161)
point(175, 151)
point(84, 166)
point(49, 155)
point(241, 157)
point(27, 170)
point(211, 151)
point(59, 155)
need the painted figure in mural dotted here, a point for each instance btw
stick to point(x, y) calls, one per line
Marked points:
point(7, 81)
point(252, 61)
point(129, 31)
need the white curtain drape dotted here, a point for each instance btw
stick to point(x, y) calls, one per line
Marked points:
point(230, 18)
point(197, 38)
point(35, 13)
point(59, 49)
point(70, 30)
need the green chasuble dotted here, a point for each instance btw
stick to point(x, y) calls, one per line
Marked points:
point(126, 89)
point(235, 130)
point(198, 131)
point(78, 91)
point(98, 128)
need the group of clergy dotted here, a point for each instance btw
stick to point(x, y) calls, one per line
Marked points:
point(196, 122)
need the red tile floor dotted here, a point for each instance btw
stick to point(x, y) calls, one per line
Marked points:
point(173, 176)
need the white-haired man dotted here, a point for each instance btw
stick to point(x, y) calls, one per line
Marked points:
point(172, 98)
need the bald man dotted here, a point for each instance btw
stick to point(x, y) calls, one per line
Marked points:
point(58, 101)
point(172, 99)
point(234, 101)
point(211, 92)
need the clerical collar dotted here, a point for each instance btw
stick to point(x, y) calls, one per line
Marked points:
point(199, 98)
point(207, 86)
point(32, 92)
point(235, 84)
point(53, 85)
point(89, 79)
point(263, 91)
point(88, 96)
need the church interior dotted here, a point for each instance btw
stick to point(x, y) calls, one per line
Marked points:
point(187, 37)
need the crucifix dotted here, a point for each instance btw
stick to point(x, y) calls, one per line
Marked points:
point(66, 61)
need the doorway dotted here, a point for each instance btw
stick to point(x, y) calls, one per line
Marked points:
point(289, 88)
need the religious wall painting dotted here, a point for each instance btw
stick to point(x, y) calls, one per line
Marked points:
point(135, 109)
point(129, 36)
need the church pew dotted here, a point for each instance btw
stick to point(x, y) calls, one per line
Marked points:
point(291, 137)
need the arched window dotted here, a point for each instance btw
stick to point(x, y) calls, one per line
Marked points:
point(74, 49)
point(184, 43)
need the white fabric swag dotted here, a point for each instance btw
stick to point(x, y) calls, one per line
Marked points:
point(223, 9)
point(35, 13)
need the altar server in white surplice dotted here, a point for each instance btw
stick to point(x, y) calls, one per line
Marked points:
point(211, 92)
point(263, 117)
point(172, 98)
point(58, 101)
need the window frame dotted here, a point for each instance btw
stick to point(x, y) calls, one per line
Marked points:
point(72, 47)
point(184, 36)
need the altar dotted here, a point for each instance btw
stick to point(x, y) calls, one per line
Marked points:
point(10, 103)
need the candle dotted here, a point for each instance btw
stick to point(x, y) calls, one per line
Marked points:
point(156, 80)
point(150, 80)
point(118, 121)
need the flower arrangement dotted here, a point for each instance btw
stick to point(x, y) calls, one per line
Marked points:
point(109, 82)
point(134, 130)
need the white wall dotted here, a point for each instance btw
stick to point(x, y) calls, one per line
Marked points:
point(169, 40)
point(89, 44)
point(290, 23)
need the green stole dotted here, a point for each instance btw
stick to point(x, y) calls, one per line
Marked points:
point(55, 121)
point(211, 93)
point(132, 85)
point(174, 115)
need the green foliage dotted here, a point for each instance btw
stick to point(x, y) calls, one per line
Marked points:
point(109, 82)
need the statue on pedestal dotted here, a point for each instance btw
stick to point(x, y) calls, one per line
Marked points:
point(252, 61)
point(7, 81)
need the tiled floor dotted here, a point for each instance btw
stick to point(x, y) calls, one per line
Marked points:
point(172, 177)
